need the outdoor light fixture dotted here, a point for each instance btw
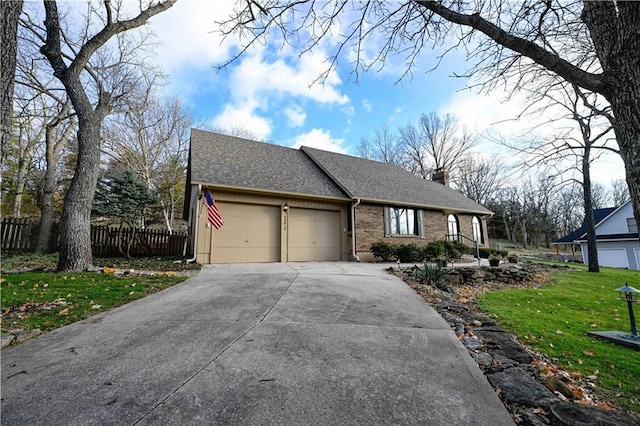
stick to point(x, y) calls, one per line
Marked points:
point(286, 207)
point(630, 295)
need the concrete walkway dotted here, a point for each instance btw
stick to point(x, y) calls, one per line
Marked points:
point(291, 344)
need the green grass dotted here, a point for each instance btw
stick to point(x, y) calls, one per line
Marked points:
point(17, 262)
point(71, 296)
point(554, 320)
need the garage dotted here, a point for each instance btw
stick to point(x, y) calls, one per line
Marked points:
point(251, 233)
point(314, 235)
point(616, 258)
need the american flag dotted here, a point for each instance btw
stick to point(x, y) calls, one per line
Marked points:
point(213, 214)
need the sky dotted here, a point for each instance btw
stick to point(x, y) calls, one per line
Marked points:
point(274, 93)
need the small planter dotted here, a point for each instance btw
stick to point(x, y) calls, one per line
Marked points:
point(494, 262)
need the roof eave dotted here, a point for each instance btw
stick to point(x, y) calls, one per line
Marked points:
point(269, 191)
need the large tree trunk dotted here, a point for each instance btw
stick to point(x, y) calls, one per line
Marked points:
point(589, 221)
point(75, 231)
point(46, 218)
point(614, 29)
point(53, 150)
point(9, 13)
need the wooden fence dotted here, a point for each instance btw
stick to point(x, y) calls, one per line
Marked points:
point(107, 242)
point(20, 236)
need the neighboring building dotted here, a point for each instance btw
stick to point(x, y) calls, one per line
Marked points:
point(569, 241)
point(284, 204)
point(616, 238)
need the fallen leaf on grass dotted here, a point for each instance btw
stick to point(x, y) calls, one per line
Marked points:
point(590, 354)
point(64, 312)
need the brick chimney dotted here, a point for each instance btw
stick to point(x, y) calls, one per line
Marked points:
point(441, 176)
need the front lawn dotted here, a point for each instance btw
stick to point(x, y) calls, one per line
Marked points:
point(48, 300)
point(554, 320)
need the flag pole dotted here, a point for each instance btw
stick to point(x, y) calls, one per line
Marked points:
point(195, 234)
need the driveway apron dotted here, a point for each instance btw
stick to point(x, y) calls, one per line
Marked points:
point(292, 344)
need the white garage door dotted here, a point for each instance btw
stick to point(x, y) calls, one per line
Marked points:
point(314, 235)
point(251, 233)
point(616, 258)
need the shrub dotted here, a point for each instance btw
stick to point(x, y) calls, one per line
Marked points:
point(432, 251)
point(484, 252)
point(455, 249)
point(512, 258)
point(383, 250)
point(434, 275)
point(408, 252)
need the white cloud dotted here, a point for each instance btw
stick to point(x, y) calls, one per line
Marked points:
point(295, 115)
point(321, 139)
point(254, 77)
point(189, 37)
point(243, 117)
point(367, 105)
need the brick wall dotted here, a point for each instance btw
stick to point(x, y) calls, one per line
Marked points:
point(370, 228)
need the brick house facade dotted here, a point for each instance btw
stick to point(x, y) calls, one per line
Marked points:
point(369, 224)
point(288, 205)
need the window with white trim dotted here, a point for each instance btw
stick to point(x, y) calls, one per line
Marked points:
point(477, 230)
point(632, 225)
point(452, 228)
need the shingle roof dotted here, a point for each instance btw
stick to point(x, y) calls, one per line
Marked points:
point(217, 159)
point(230, 161)
point(376, 181)
point(598, 215)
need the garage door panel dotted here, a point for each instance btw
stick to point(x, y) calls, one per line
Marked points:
point(314, 235)
point(251, 233)
point(616, 258)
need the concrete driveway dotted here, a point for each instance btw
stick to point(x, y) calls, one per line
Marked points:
point(292, 344)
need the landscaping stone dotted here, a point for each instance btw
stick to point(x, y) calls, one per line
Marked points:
point(505, 344)
point(518, 386)
point(567, 414)
point(520, 379)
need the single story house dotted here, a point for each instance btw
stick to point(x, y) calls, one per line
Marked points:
point(616, 238)
point(569, 240)
point(282, 204)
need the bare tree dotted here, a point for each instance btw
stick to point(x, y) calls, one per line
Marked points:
point(437, 142)
point(619, 192)
point(151, 140)
point(481, 179)
point(384, 146)
point(93, 92)
point(505, 40)
point(29, 120)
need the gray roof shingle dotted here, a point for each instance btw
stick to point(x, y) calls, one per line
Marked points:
point(217, 159)
point(231, 161)
point(376, 181)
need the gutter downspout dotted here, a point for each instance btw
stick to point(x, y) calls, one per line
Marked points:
point(354, 204)
point(195, 236)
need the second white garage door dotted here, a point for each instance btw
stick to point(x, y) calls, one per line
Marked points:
point(314, 235)
point(616, 258)
point(251, 233)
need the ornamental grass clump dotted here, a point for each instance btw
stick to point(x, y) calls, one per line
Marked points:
point(435, 276)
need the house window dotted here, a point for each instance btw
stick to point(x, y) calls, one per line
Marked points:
point(403, 221)
point(632, 225)
point(477, 230)
point(452, 228)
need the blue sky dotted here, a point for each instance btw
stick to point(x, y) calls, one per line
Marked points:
point(271, 93)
